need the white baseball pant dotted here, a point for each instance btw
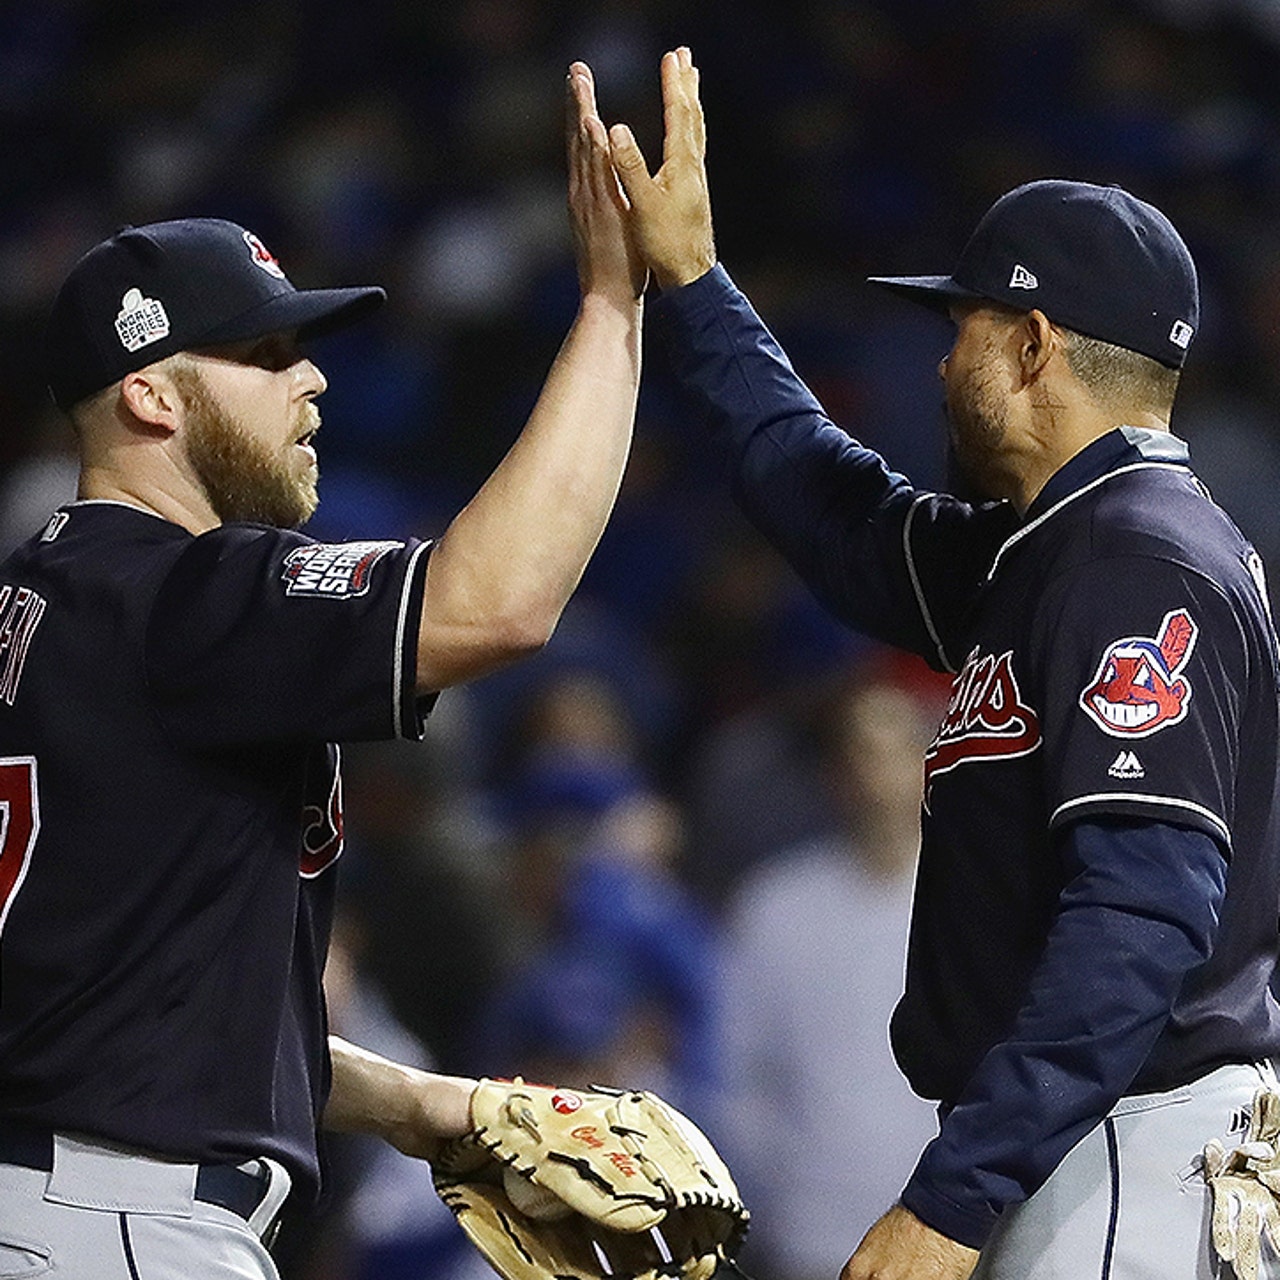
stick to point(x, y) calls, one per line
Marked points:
point(101, 1213)
point(1129, 1202)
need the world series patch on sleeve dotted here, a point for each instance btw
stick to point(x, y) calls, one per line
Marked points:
point(586, 1184)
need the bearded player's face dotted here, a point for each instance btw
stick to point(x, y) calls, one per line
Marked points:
point(248, 429)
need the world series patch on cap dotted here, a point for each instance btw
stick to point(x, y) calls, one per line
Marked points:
point(150, 291)
point(1094, 259)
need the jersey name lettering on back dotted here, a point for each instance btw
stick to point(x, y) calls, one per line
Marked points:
point(20, 612)
point(986, 718)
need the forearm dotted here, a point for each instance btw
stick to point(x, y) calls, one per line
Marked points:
point(1140, 914)
point(505, 568)
point(413, 1110)
point(832, 507)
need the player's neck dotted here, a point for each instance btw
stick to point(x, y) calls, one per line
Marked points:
point(190, 510)
point(1065, 441)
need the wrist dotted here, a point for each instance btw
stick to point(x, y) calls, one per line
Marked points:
point(677, 275)
point(966, 1225)
point(428, 1110)
point(611, 307)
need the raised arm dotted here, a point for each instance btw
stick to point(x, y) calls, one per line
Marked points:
point(509, 561)
point(889, 560)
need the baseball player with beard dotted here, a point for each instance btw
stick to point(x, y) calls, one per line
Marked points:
point(175, 665)
point(1095, 920)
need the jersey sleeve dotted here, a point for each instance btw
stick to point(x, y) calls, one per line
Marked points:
point(1145, 667)
point(1148, 891)
point(259, 635)
point(895, 562)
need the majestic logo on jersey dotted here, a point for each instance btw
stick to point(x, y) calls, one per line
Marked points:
point(141, 321)
point(1138, 688)
point(333, 569)
point(986, 718)
point(1126, 766)
point(262, 256)
point(1257, 571)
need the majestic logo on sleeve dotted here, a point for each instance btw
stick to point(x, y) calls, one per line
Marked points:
point(986, 718)
point(1138, 688)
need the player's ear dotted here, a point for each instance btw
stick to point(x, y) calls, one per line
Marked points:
point(152, 396)
point(1037, 341)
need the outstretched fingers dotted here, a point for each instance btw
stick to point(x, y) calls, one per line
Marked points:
point(670, 214)
point(684, 130)
point(580, 110)
point(607, 259)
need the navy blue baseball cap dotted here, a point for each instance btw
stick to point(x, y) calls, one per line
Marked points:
point(150, 291)
point(1094, 259)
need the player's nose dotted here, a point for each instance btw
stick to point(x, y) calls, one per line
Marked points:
point(942, 368)
point(311, 379)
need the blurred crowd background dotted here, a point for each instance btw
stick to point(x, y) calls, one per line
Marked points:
point(676, 849)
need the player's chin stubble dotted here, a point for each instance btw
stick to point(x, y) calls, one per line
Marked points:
point(242, 478)
point(978, 421)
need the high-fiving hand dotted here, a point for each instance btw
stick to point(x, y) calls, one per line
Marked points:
point(670, 214)
point(608, 262)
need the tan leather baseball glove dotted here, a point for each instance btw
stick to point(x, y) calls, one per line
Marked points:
point(587, 1184)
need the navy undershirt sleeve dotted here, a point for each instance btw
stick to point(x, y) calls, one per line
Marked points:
point(1139, 912)
point(896, 563)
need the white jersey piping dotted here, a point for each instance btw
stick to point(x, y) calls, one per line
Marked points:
point(1071, 497)
point(1163, 801)
point(402, 620)
point(114, 502)
point(915, 581)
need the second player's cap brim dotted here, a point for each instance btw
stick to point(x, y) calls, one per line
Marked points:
point(1093, 259)
point(935, 292)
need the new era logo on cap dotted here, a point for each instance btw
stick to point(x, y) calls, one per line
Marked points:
point(1022, 278)
point(1181, 334)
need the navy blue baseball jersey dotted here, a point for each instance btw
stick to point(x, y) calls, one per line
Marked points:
point(1099, 885)
point(173, 812)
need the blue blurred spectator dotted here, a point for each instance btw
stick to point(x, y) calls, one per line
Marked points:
point(819, 1125)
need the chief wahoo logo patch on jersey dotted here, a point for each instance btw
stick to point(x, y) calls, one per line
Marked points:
point(986, 718)
point(1138, 688)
